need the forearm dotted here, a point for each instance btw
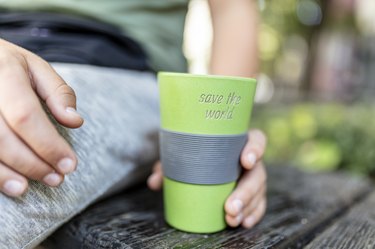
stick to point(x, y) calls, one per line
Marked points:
point(234, 48)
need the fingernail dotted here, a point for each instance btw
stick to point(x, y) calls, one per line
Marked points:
point(239, 218)
point(252, 158)
point(151, 179)
point(249, 221)
point(52, 179)
point(66, 165)
point(13, 187)
point(73, 111)
point(237, 205)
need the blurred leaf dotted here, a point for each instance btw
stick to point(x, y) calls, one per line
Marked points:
point(303, 122)
point(323, 155)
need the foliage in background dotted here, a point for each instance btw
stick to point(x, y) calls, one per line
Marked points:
point(320, 137)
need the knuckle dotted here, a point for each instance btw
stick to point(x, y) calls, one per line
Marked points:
point(5, 54)
point(258, 136)
point(64, 93)
point(33, 172)
point(21, 116)
point(30, 170)
point(10, 57)
point(6, 58)
point(65, 90)
point(50, 150)
point(247, 192)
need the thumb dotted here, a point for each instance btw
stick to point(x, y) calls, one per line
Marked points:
point(59, 97)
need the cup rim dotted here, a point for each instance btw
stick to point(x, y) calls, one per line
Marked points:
point(204, 76)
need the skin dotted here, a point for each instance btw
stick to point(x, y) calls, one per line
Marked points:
point(235, 36)
point(234, 52)
point(31, 147)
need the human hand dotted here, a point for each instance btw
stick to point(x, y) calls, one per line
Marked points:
point(30, 146)
point(247, 203)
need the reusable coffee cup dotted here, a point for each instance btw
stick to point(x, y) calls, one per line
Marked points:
point(204, 123)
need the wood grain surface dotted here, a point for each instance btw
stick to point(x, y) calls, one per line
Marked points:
point(356, 229)
point(300, 206)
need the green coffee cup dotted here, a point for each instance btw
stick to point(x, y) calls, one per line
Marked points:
point(204, 123)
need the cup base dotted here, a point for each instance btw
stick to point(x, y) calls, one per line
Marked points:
point(196, 208)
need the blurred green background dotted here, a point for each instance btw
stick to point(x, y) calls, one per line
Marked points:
point(318, 63)
point(315, 95)
point(320, 137)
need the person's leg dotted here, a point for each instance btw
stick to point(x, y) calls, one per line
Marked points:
point(117, 140)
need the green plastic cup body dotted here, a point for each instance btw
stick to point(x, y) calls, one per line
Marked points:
point(204, 106)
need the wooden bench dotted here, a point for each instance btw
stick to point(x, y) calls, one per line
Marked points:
point(333, 210)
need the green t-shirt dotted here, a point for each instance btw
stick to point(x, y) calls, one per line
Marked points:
point(156, 24)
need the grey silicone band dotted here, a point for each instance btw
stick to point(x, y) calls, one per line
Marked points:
point(201, 159)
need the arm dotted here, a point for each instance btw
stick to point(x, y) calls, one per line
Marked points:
point(235, 52)
point(235, 28)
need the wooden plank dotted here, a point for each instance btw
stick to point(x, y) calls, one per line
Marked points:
point(354, 230)
point(299, 206)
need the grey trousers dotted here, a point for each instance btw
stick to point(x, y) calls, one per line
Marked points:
point(115, 148)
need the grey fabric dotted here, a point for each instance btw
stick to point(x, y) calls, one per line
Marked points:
point(116, 143)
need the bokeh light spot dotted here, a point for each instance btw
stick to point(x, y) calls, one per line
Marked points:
point(309, 12)
point(269, 42)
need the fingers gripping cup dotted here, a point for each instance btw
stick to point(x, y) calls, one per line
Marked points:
point(204, 123)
